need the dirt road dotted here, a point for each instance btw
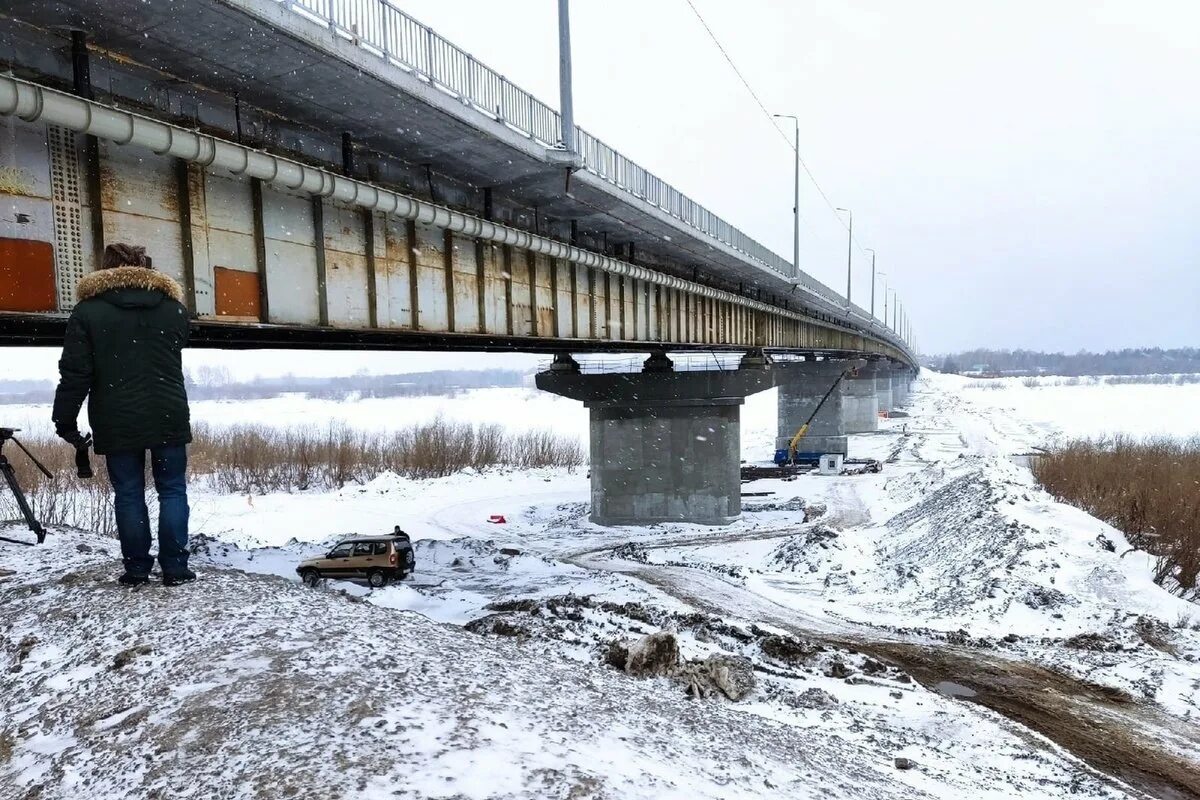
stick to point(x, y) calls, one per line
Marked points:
point(1118, 735)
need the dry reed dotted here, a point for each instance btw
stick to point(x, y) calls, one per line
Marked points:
point(1150, 490)
point(247, 459)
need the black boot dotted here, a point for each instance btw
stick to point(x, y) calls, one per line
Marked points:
point(178, 578)
point(133, 579)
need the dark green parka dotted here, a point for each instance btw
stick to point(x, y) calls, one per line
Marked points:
point(123, 350)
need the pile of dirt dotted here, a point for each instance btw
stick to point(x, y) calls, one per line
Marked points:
point(639, 553)
point(631, 551)
point(644, 641)
point(1096, 642)
point(800, 552)
point(793, 504)
point(657, 655)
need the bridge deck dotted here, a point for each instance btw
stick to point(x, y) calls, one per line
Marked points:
point(187, 61)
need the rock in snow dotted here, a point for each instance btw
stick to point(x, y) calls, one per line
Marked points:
point(657, 655)
point(653, 655)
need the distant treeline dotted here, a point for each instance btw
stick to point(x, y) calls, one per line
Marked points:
point(1132, 361)
point(209, 383)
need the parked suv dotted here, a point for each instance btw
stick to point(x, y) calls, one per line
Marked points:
point(378, 559)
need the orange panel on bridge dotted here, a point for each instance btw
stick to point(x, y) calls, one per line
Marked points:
point(27, 275)
point(237, 293)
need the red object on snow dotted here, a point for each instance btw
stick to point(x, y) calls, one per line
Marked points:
point(497, 519)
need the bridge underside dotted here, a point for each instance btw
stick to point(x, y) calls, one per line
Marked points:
point(46, 330)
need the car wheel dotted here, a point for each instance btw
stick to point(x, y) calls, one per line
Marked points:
point(377, 579)
point(311, 578)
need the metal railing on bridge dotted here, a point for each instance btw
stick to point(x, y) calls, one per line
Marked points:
point(394, 36)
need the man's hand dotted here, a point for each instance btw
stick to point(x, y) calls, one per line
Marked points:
point(72, 436)
point(82, 443)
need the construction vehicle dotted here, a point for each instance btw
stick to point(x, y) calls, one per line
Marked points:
point(790, 455)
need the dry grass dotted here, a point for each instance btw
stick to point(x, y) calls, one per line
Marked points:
point(1150, 490)
point(1034, 382)
point(256, 459)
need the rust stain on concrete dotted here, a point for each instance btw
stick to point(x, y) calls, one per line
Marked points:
point(16, 181)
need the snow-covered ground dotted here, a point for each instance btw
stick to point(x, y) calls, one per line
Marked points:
point(1088, 407)
point(945, 612)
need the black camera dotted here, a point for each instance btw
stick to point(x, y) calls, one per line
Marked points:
point(83, 461)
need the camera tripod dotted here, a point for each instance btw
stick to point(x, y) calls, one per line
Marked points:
point(10, 478)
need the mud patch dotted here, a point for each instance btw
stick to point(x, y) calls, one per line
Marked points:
point(1103, 726)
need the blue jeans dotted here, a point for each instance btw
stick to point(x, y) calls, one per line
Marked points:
point(127, 473)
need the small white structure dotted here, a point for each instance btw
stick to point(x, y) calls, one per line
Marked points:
point(830, 464)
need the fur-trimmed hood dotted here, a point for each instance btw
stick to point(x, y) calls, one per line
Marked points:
point(97, 283)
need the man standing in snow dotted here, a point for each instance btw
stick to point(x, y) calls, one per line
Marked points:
point(123, 351)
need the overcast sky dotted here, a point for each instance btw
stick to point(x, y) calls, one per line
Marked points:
point(1028, 170)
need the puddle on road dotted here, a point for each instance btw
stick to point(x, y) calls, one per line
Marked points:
point(952, 689)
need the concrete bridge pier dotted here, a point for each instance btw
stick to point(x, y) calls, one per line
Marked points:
point(884, 398)
point(860, 403)
point(665, 445)
point(899, 387)
point(802, 385)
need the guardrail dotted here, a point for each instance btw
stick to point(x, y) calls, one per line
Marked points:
point(380, 27)
point(384, 30)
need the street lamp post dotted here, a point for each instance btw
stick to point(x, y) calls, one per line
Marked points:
point(871, 250)
point(564, 77)
point(795, 196)
point(849, 253)
point(883, 275)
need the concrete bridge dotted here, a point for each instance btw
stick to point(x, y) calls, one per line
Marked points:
point(325, 174)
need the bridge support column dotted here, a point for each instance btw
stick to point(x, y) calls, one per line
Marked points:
point(665, 445)
point(802, 385)
point(860, 404)
point(883, 387)
point(899, 387)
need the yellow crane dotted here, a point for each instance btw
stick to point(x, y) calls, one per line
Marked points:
point(791, 448)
